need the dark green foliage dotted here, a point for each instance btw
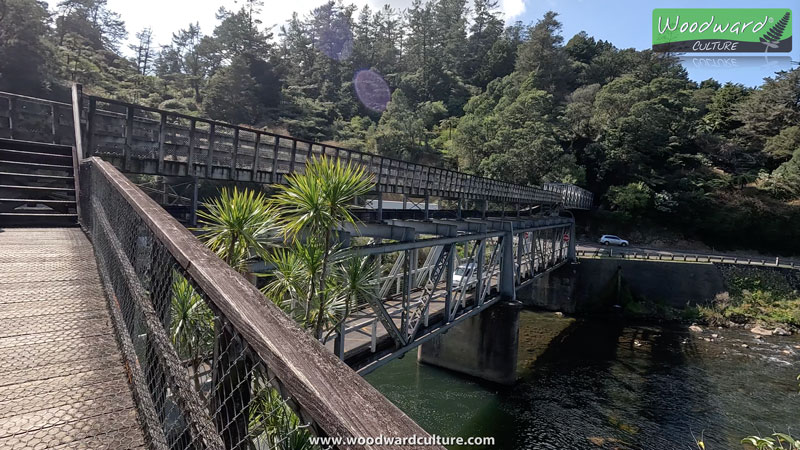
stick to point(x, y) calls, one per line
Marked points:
point(448, 84)
point(233, 94)
point(24, 49)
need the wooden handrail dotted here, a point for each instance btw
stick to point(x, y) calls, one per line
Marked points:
point(340, 402)
point(218, 123)
point(454, 184)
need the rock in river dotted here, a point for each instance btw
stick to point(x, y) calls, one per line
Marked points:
point(758, 329)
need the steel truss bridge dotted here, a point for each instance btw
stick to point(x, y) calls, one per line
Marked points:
point(225, 389)
point(418, 298)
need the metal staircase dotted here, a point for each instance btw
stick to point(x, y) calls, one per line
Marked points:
point(37, 184)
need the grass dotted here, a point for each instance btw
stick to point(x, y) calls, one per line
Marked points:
point(764, 297)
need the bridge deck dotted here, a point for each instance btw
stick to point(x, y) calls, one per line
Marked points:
point(63, 383)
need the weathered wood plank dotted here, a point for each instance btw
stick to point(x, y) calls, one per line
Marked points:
point(63, 381)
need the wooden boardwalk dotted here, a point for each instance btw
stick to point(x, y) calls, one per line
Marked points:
point(63, 383)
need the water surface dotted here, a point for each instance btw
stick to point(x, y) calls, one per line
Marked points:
point(608, 384)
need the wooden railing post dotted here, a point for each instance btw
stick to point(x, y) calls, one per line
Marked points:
point(11, 103)
point(235, 155)
point(87, 144)
point(294, 155)
point(126, 150)
point(54, 123)
point(162, 129)
point(192, 143)
point(275, 159)
point(255, 157)
point(210, 156)
point(77, 105)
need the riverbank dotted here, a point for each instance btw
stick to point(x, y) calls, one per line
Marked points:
point(611, 383)
point(763, 300)
point(756, 299)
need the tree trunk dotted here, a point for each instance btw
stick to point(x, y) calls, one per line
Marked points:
point(323, 276)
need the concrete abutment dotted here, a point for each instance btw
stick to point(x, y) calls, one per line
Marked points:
point(484, 346)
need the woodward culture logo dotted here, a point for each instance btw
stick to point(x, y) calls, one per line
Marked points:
point(722, 30)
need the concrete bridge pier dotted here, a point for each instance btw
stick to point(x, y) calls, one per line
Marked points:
point(553, 291)
point(483, 346)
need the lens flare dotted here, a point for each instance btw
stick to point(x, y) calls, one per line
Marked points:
point(372, 90)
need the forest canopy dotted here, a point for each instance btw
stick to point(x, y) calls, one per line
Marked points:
point(447, 82)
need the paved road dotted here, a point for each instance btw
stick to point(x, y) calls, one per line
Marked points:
point(588, 246)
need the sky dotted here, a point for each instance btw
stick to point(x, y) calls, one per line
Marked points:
point(626, 23)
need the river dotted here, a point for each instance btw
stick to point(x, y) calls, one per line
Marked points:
point(607, 384)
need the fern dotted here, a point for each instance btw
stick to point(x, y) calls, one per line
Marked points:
point(773, 35)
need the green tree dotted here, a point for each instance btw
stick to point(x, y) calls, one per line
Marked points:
point(238, 226)
point(770, 108)
point(405, 129)
point(785, 144)
point(632, 199)
point(543, 55)
point(24, 49)
point(720, 117)
point(93, 21)
point(240, 32)
point(314, 203)
point(486, 30)
point(784, 182)
point(510, 133)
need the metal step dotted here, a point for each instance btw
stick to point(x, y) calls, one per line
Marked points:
point(37, 188)
point(35, 176)
point(38, 219)
point(34, 157)
point(37, 200)
point(35, 205)
point(37, 192)
point(30, 166)
point(42, 214)
point(38, 147)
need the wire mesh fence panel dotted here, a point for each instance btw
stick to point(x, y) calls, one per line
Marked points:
point(178, 137)
point(212, 363)
point(198, 383)
point(33, 119)
point(245, 150)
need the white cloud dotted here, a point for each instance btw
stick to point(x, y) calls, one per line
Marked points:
point(512, 8)
point(167, 16)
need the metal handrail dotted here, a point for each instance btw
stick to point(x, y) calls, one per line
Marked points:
point(689, 257)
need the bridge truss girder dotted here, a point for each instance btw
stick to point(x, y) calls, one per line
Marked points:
point(505, 254)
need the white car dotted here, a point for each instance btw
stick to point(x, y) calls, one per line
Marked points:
point(610, 239)
point(465, 273)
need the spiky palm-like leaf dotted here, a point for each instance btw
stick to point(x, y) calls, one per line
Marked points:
point(356, 280)
point(273, 423)
point(315, 202)
point(192, 322)
point(191, 325)
point(321, 197)
point(237, 226)
point(290, 285)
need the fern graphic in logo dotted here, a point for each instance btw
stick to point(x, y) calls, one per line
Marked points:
point(722, 30)
point(772, 38)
